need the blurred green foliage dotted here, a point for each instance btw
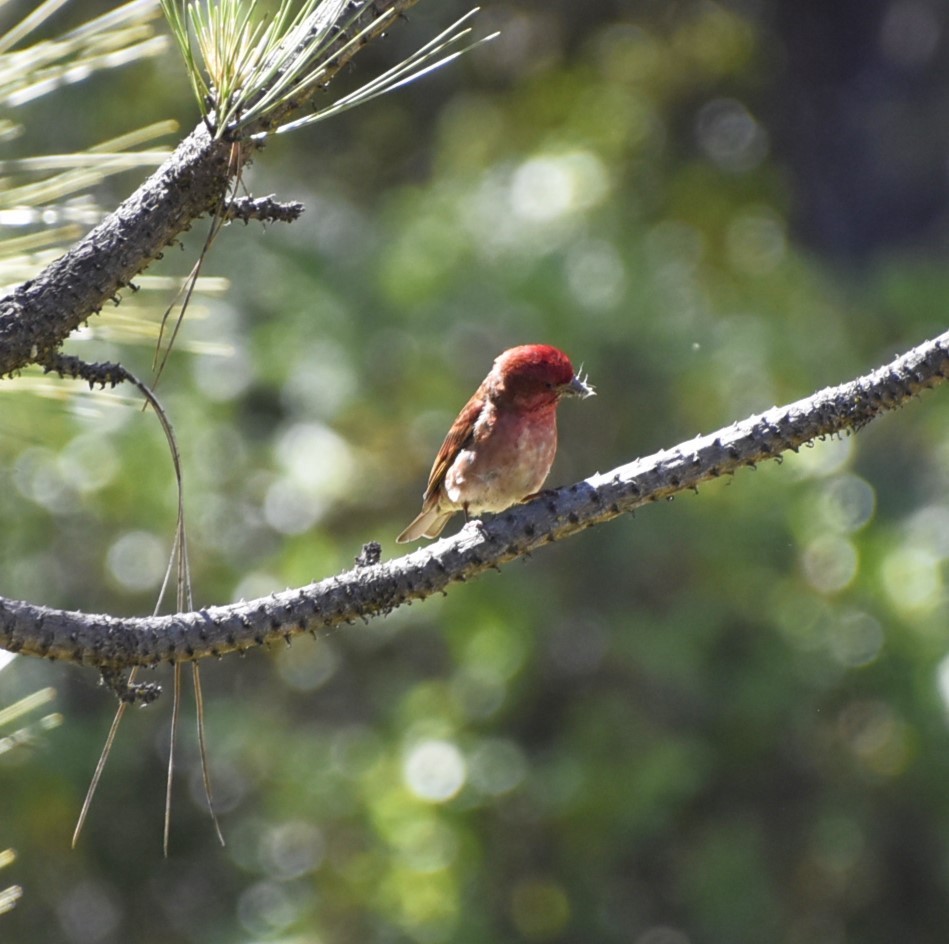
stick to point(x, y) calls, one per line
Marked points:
point(722, 720)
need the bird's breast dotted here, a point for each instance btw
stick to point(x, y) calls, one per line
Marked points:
point(508, 458)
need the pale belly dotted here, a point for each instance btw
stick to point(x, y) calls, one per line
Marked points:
point(504, 467)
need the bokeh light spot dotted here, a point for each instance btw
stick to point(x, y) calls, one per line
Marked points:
point(595, 274)
point(910, 33)
point(222, 378)
point(856, 639)
point(839, 842)
point(308, 667)
point(928, 528)
point(426, 845)
point(498, 649)
point(876, 736)
point(820, 459)
point(756, 241)
point(497, 767)
point(266, 909)
point(38, 476)
point(137, 560)
point(540, 909)
point(356, 751)
point(318, 468)
point(292, 849)
point(321, 382)
point(847, 503)
point(316, 457)
point(830, 563)
point(730, 136)
point(434, 770)
point(477, 691)
point(942, 682)
point(88, 462)
point(89, 912)
point(550, 186)
point(912, 579)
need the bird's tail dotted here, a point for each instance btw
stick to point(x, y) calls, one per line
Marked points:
point(429, 524)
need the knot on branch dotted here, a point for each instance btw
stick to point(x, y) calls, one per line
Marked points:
point(132, 693)
point(370, 555)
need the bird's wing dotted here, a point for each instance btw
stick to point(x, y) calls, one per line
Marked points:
point(459, 436)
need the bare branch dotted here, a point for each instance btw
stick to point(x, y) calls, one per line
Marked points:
point(266, 209)
point(378, 588)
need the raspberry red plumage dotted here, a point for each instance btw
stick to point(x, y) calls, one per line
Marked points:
point(501, 447)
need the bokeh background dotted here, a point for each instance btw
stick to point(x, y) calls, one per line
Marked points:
point(723, 720)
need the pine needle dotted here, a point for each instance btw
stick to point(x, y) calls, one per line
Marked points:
point(244, 68)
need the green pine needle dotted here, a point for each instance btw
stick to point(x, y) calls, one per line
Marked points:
point(45, 201)
point(245, 67)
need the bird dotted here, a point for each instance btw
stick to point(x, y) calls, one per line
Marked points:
point(499, 450)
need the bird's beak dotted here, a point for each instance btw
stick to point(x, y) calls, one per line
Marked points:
point(578, 387)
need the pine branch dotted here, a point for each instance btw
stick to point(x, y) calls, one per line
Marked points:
point(37, 316)
point(266, 209)
point(373, 589)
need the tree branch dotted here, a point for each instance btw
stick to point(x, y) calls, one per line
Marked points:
point(37, 316)
point(371, 589)
point(266, 209)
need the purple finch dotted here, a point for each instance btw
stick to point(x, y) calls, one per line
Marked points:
point(501, 447)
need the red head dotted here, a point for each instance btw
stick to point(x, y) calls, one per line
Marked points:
point(535, 374)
